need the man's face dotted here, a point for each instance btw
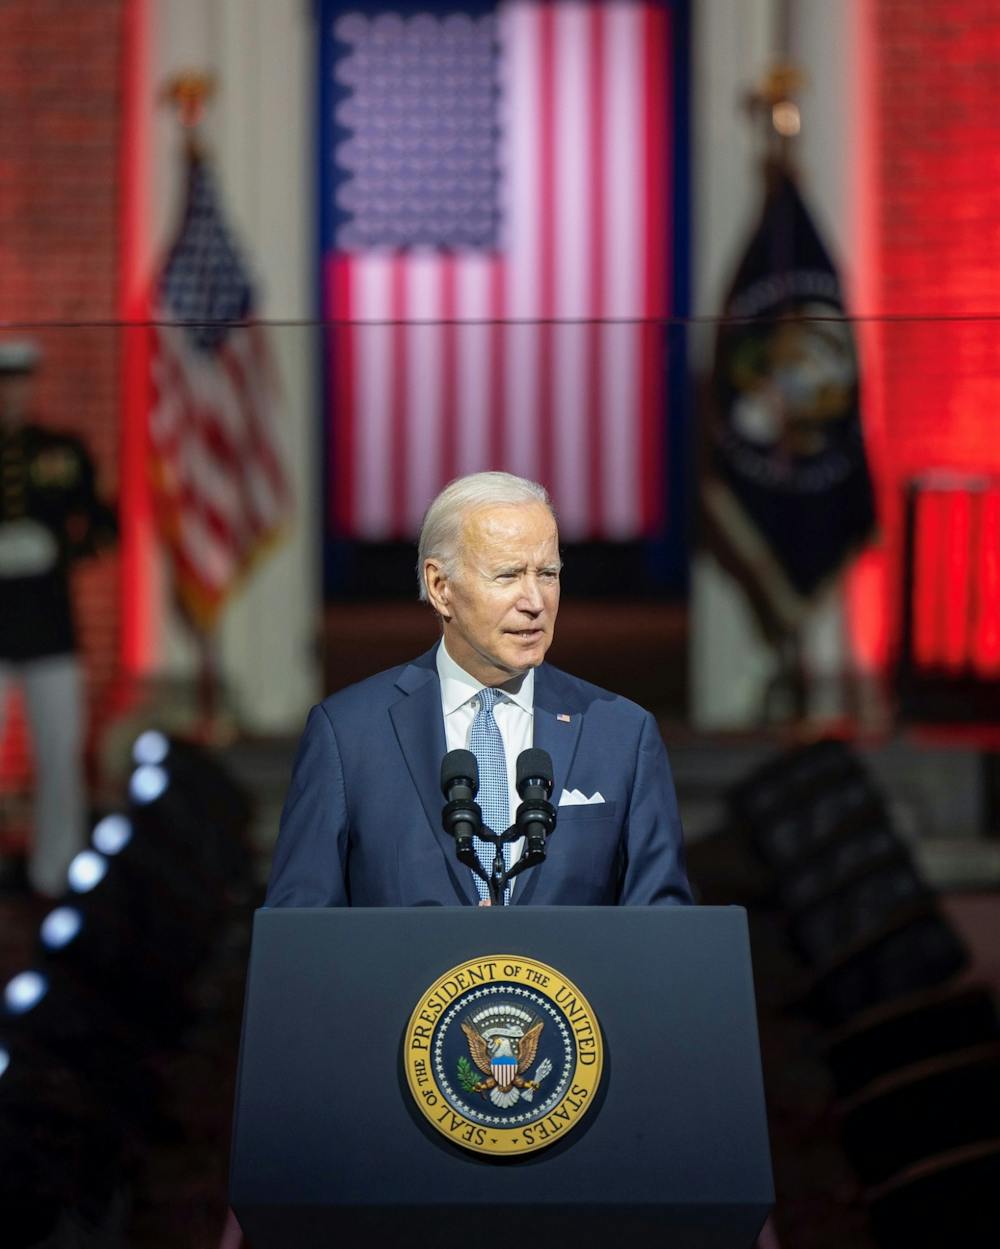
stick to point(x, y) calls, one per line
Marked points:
point(499, 609)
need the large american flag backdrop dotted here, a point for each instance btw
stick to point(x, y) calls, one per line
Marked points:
point(496, 212)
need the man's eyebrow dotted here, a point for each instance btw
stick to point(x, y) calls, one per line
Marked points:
point(502, 569)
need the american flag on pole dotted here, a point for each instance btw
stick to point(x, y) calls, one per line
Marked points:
point(497, 258)
point(220, 490)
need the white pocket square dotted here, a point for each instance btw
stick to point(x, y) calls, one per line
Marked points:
point(575, 798)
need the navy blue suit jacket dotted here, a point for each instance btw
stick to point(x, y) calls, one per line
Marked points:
point(362, 820)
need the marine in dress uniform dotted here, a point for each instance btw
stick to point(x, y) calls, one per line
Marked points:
point(50, 517)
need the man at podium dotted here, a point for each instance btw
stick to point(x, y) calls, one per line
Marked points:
point(362, 824)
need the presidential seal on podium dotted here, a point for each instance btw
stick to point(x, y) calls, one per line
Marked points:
point(503, 1055)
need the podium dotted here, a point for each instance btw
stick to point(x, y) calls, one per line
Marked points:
point(332, 1146)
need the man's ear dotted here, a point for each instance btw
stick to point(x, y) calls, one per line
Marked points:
point(438, 588)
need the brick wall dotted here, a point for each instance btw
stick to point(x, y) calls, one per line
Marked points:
point(60, 116)
point(936, 202)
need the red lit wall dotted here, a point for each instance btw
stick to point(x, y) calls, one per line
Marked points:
point(935, 216)
point(59, 161)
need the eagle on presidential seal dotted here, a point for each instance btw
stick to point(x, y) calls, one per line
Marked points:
point(503, 1041)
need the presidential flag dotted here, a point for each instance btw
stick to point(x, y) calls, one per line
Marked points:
point(220, 490)
point(497, 207)
point(787, 493)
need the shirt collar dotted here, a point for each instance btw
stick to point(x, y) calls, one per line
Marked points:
point(457, 686)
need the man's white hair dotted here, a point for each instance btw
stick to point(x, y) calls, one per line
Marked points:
point(441, 532)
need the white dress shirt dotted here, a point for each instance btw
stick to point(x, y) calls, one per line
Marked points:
point(514, 715)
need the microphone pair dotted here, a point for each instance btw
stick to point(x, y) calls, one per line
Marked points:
point(460, 775)
point(463, 819)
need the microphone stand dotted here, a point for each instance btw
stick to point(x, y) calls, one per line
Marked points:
point(499, 877)
point(462, 819)
point(535, 821)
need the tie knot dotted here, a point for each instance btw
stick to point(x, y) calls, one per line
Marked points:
point(489, 697)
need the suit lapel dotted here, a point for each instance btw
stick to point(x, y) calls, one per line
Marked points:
point(557, 736)
point(419, 727)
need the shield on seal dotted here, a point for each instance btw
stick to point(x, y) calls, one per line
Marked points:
point(503, 1068)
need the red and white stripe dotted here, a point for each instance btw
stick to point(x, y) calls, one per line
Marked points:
point(219, 487)
point(546, 358)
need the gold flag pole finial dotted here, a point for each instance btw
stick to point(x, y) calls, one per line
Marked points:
point(188, 94)
point(773, 101)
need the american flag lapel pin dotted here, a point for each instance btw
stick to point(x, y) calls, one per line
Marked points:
point(564, 717)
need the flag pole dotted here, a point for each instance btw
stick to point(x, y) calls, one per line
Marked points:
point(774, 109)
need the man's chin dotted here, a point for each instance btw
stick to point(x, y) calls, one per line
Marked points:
point(519, 658)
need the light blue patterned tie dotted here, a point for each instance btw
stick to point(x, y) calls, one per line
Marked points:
point(486, 744)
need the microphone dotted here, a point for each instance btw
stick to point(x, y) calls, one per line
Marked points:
point(459, 775)
point(536, 816)
point(461, 817)
point(534, 775)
